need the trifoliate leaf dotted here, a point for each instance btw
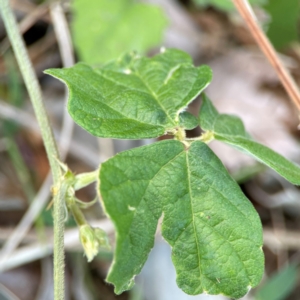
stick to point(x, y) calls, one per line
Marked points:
point(104, 29)
point(133, 97)
point(230, 129)
point(214, 231)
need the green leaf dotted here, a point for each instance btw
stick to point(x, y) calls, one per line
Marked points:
point(279, 286)
point(224, 5)
point(187, 120)
point(133, 97)
point(104, 29)
point(283, 28)
point(214, 231)
point(222, 124)
point(230, 129)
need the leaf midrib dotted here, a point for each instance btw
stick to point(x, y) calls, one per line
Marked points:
point(193, 220)
point(149, 181)
point(206, 224)
point(229, 244)
point(156, 98)
point(210, 186)
point(228, 139)
point(103, 103)
point(142, 92)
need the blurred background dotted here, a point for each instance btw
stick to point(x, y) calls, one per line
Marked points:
point(58, 34)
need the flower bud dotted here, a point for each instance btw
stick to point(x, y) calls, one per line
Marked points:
point(92, 239)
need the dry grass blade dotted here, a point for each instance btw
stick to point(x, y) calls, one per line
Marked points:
point(27, 121)
point(280, 240)
point(7, 294)
point(24, 225)
point(13, 113)
point(66, 51)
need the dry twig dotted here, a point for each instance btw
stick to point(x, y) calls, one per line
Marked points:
point(287, 81)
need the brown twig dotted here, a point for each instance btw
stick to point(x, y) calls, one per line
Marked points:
point(287, 81)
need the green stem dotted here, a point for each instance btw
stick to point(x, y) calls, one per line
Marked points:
point(58, 249)
point(32, 85)
point(85, 179)
point(77, 214)
point(206, 137)
point(35, 94)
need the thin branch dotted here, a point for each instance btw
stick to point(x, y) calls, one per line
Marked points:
point(19, 116)
point(36, 251)
point(286, 240)
point(26, 120)
point(7, 293)
point(62, 34)
point(35, 94)
point(58, 251)
point(32, 85)
point(7, 111)
point(287, 81)
point(24, 225)
point(66, 51)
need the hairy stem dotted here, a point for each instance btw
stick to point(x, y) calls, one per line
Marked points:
point(58, 249)
point(287, 81)
point(32, 86)
point(35, 94)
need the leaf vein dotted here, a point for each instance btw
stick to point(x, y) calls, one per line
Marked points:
point(193, 220)
point(155, 97)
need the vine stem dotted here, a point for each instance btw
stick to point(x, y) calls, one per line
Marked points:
point(35, 95)
point(286, 79)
